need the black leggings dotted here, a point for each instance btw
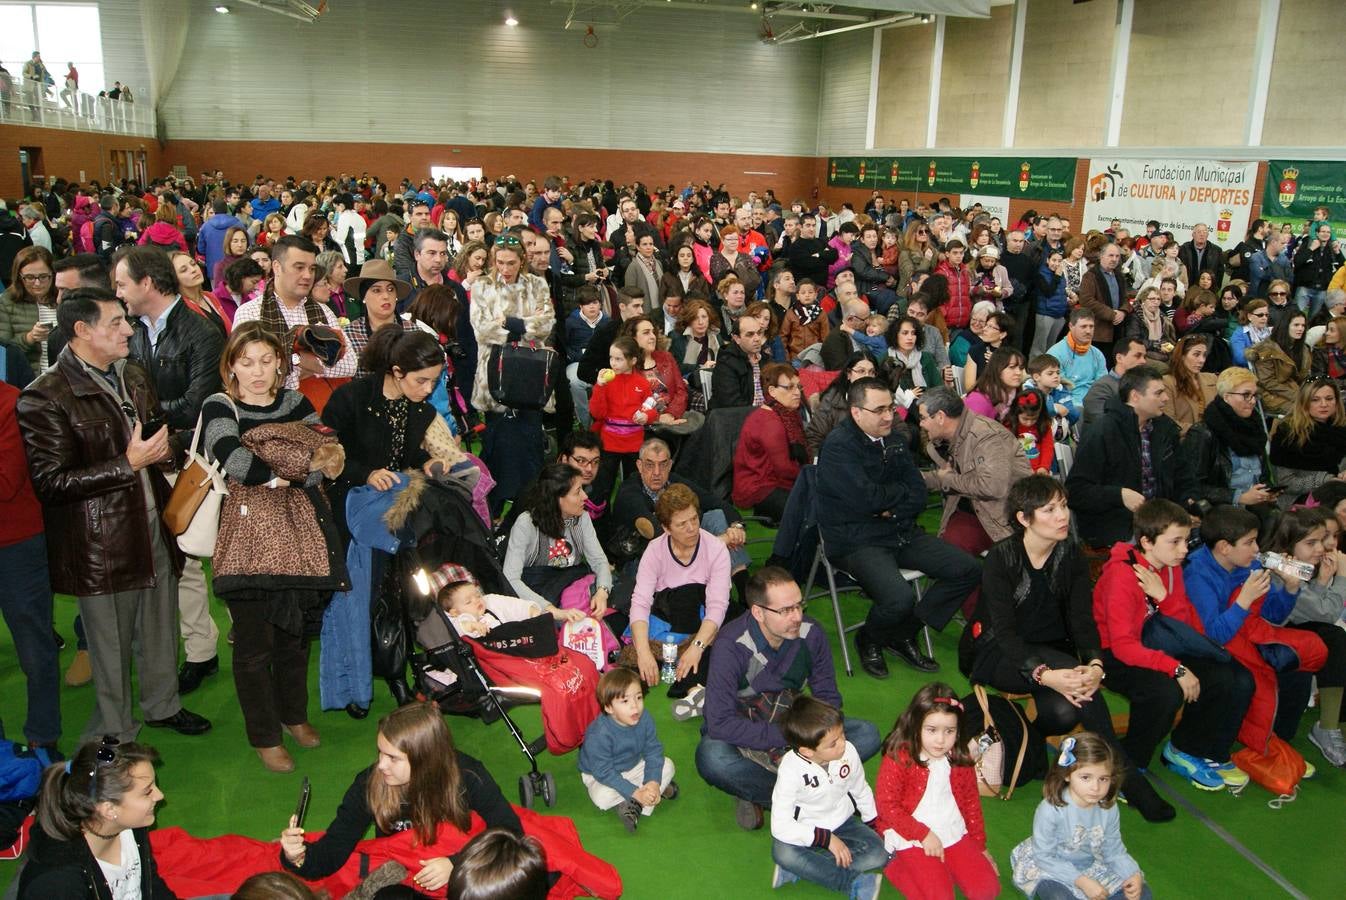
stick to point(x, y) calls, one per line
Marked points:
point(606, 479)
point(1056, 715)
point(772, 506)
point(1333, 672)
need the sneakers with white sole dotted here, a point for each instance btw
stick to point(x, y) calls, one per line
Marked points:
point(1193, 768)
point(1330, 742)
point(1234, 778)
point(780, 877)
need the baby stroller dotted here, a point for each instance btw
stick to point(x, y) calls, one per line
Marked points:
point(434, 534)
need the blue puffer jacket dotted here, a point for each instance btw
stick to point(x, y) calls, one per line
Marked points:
point(1051, 293)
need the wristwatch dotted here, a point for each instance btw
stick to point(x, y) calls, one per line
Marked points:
point(1179, 671)
point(698, 643)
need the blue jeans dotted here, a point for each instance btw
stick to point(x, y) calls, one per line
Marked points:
point(1054, 890)
point(26, 603)
point(1310, 300)
point(817, 864)
point(722, 766)
point(716, 523)
point(895, 615)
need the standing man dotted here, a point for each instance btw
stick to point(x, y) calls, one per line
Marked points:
point(1103, 290)
point(97, 475)
point(180, 349)
point(1200, 254)
point(869, 494)
point(418, 217)
point(1022, 266)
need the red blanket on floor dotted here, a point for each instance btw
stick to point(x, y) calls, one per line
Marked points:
point(195, 867)
point(1255, 732)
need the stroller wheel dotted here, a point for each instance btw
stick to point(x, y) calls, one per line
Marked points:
point(548, 789)
point(526, 791)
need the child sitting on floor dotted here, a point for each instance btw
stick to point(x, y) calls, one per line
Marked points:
point(820, 786)
point(622, 762)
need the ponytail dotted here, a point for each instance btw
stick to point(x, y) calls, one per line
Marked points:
point(392, 346)
point(72, 790)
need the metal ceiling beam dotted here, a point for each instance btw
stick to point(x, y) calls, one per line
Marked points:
point(876, 23)
point(303, 13)
point(579, 10)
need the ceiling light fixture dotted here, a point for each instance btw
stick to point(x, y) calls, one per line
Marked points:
point(510, 20)
point(222, 10)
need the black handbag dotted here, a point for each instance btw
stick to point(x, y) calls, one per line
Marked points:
point(519, 374)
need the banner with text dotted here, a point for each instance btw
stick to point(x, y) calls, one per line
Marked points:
point(1179, 193)
point(1295, 189)
point(1038, 177)
point(992, 206)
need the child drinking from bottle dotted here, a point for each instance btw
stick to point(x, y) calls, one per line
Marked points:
point(929, 808)
point(1076, 849)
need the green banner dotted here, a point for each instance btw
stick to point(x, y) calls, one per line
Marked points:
point(1036, 177)
point(1294, 189)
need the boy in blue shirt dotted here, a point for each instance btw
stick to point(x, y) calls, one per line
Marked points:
point(622, 762)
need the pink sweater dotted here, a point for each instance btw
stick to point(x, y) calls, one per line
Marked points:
point(660, 569)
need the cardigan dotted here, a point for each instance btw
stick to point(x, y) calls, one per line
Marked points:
point(528, 547)
point(900, 786)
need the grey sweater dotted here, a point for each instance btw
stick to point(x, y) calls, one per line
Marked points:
point(528, 547)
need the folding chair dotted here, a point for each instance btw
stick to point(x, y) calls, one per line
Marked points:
point(840, 582)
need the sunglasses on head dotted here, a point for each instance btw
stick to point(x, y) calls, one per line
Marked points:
point(106, 755)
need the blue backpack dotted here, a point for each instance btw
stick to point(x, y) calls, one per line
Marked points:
point(20, 771)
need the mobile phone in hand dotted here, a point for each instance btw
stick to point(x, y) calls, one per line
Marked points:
point(151, 426)
point(301, 809)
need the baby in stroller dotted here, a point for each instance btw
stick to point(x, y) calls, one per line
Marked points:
point(514, 644)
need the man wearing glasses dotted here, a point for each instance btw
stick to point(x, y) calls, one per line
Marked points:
point(869, 494)
point(98, 477)
point(840, 343)
point(763, 660)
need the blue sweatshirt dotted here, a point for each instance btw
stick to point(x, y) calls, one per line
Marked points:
point(610, 748)
point(1211, 589)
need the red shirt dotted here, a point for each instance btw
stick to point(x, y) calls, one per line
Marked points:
point(613, 405)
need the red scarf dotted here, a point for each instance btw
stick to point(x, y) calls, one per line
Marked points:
point(794, 430)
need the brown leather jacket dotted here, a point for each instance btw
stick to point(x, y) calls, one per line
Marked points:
point(98, 538)
point(985, 458)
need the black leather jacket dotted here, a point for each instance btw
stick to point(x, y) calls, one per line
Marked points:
point(184, 366)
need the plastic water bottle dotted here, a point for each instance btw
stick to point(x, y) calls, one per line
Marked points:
point(1286, 565)
point(668, 672)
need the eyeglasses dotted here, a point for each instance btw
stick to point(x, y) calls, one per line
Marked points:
point(792, 386)
point(1259, 314)
point(508, 240)
point(1245, 396)
point(788, 611)
point(878, 410)
point(1277, 293)
point(106, 755)
point(36, 279)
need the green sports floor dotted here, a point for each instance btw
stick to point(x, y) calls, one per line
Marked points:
point(691, 848)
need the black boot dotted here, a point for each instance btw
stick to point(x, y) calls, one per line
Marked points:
point(401, 692)
point(1143, 798)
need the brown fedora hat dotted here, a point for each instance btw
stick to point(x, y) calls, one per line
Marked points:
point(376, 270)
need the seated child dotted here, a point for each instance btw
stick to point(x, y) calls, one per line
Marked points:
point(582, 322)
point(474, 613)
point(1237, 603)
point(498, 863)
point(621, 761)
point(1044, 373)
point(820, 786)
point(806, 323)
point(873, 339)
point(929, 807)
point(1076, 849)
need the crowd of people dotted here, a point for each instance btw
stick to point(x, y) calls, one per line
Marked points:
point(611, 377)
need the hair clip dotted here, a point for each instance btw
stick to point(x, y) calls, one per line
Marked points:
point(951, 701)
point(1067, 757)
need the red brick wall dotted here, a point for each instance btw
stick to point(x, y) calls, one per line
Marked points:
point(67, 153)
point(241, 160)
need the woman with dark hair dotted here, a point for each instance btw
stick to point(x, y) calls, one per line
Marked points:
point(997, 384)
point(1190, 387)
point(666, 381)
point(830, 407)
point(28, 306)
point(909, 369)
point(436, 311)
point(319, 230)
point(1236, 260)
point(1282, 362)
point(1329, 356)
point(918, 256)
point(381, 419)
point(729, 260)
point(1308, 446)
point(240, 281)
point(589, 263)
point(272, 611)
point(682, 278)
point(553, 544)
point(94, 814)
point(1254, 328)
point(995, 331)
point(378, 292)
point(1033, 631)
point(235, 247)
point(771, 445)
point(420, 782)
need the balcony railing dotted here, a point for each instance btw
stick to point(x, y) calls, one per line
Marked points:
point(31, 103)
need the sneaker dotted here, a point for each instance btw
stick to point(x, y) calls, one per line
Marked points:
point(1330, 742)
point(690, 706)
point(866, 887)
point(670, 792)
point(1234, 778)
point(748, 815)
point(1193, 768)
point(780, 877)
point(629, 812)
